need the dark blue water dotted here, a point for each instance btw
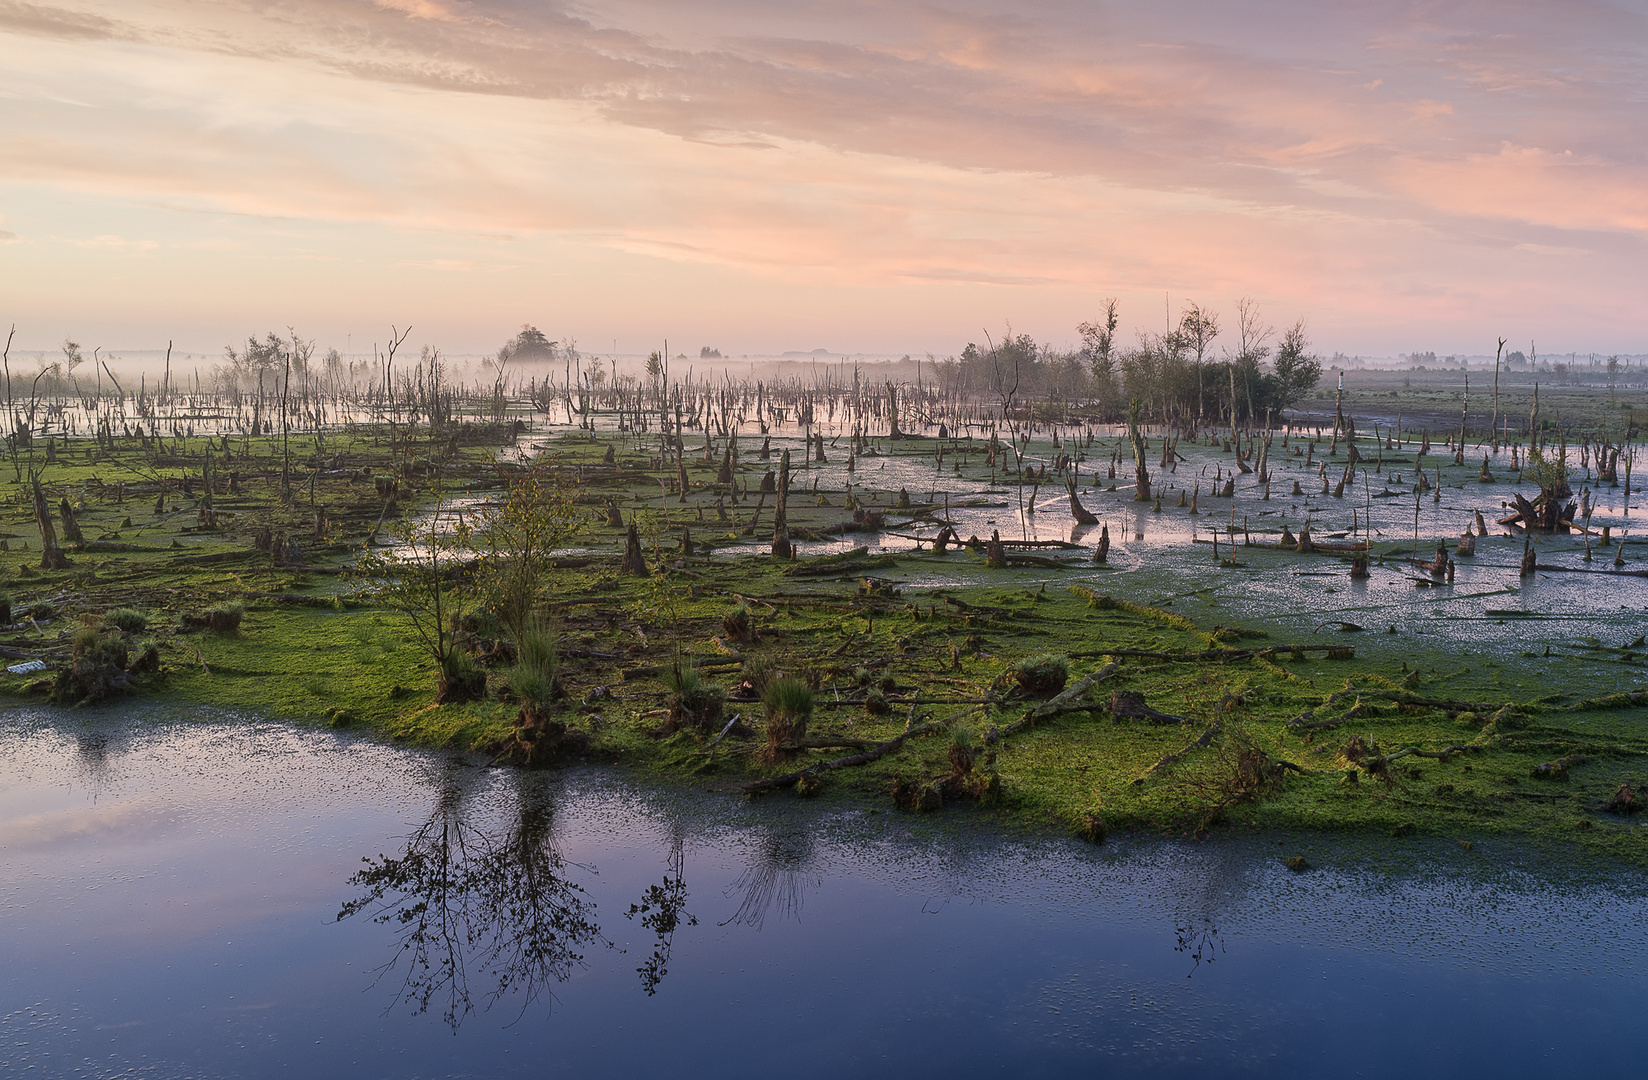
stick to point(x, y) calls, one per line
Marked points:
point(171, 885)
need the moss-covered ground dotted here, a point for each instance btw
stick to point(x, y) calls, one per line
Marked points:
point(1417, 729)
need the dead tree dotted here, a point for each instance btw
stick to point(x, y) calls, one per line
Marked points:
point(1142, 474)
point(52, 557)
point(781, 546)
point(1077, 510)
point(634, 562)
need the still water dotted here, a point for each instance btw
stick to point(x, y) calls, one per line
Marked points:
point(196, 894)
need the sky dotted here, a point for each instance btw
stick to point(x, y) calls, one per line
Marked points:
point(859, 175)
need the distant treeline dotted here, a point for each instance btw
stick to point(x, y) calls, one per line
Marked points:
point(1176, 376)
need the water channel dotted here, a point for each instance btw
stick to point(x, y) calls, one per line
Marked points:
point(172, 881)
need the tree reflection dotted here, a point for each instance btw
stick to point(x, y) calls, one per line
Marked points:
point(662, 909)
point(1221, 880)
point(463, 899)
point(777, 878)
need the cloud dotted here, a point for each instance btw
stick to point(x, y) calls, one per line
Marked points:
point(56, 22)
point(1190, 145)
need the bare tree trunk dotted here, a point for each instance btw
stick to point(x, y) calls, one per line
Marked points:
point(781, 546)
point(1142, 475)
point(52, 557)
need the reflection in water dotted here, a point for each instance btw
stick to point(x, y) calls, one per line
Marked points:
point(462, 899)
point(1201, 940)
point(1223, 881)
point(662, 909)
point(778, 877)
point(92, 748)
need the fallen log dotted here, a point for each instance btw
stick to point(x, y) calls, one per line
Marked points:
point(1166, 760)
point(875, 753)
point(1067, 701)
point(1336, 652)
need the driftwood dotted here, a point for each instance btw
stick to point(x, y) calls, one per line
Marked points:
point(1306, 721)
point(1068, 701)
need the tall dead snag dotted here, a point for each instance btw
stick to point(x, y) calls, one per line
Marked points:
point(634, 562)
point(1077, 510)
point(1493, 425)
point(781, 546)
point(1142, 481)
point(1464, 418)
point(52, 557)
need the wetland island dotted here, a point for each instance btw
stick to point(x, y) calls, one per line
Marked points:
point(1092, 592)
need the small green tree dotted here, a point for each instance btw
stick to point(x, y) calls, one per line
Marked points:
point(420, 578)
point(516, 538)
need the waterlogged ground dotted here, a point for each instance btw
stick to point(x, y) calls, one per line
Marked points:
point(171, 882)
point(1507, 697)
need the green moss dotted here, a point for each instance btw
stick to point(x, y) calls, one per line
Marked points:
point(312, 647)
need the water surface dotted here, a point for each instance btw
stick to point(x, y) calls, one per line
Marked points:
point(171, 884)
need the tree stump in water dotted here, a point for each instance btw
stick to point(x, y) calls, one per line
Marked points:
point(1102, 552)
point(1077, 510)
point(995, 556)
point(781, 546)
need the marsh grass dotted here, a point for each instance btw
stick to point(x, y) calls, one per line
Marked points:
point(128, 620)
point(789, 706)
point(695, 704)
